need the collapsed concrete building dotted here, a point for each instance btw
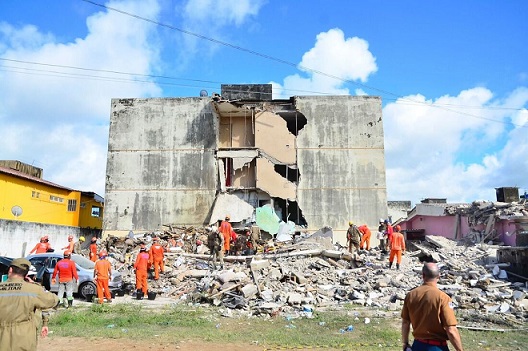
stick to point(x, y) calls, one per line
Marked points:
point(312, 161)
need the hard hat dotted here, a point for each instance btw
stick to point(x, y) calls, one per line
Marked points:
point(70, 237)
point(155, 238)
point(94, 239)
point(67, 253)
point(82, 238)
point(381, 220)
point(103, 253)
point(43, 238)
point(386, 221)
point(227, 217)
point(398, 228)
point(350, 223)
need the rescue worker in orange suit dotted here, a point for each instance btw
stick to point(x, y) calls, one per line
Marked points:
point(226, 229)
point(68, 277)
point(20, 303)
point(141, 267)
point(102, 274)
point(93, 249)
point(70, 245)
point(42, 247)
point(157, 255)
point(397, 247)
point(365, 237)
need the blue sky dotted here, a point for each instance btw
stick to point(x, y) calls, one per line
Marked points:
point(453, 77)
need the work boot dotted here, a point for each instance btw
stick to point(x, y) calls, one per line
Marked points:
point(390, 265)
point(70, 303)
point(65, 303)
point(397, 266)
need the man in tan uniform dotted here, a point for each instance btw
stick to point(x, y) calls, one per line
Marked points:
point(430, 312)
point(20, 305)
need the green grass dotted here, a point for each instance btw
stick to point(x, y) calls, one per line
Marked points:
point(197, 323)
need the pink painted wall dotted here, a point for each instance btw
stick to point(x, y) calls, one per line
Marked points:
point(445, 226)
point(442, 225)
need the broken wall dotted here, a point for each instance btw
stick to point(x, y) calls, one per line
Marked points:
point(341, 161)
point(161, 166)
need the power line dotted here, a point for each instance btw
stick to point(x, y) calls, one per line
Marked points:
point(288, 63)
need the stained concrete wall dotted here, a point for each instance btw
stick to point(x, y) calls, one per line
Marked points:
point(18, 238)
point(340, 155)
point(161, 163)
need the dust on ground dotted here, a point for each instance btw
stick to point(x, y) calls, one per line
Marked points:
point(58, 343)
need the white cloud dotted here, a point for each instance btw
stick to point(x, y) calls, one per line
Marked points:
point(339, 58)
point(429, 145)
point(56, 118)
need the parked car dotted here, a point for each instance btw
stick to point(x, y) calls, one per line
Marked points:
point(44, 264)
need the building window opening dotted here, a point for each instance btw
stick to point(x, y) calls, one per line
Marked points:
point(72, 205)
point(56, 199)
point(96, 211)
point(290, 211)
point(228, 171)
point(295, 121)
point(35, 194)
point(292, 174)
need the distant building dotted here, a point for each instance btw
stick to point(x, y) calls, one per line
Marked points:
point(32, 207)
point(313, 160)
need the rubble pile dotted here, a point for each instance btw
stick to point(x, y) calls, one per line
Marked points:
point(482, 215)
point(299, 277)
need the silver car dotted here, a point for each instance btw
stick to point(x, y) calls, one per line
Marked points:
point(44, 264)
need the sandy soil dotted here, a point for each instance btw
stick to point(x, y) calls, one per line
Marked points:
point(53, 343)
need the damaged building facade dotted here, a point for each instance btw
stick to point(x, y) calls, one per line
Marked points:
point(310, 161)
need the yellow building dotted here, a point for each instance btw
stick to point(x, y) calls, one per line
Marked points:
point(27, 198)
point(91, 211)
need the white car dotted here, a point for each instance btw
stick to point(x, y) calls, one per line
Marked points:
point(44, 264)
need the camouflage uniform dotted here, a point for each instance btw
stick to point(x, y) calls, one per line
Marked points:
point(20, 305)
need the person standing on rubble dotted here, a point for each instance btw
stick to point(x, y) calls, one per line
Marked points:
point(353, 237)
point(21, 303)
point(430, 312)
point(93, 249)
point(68, 277)
point(102, 274)
point(365, 237)
point(215, 242)
point(225, 230)
point(77, 247)
point(397, 247)
point(388, 233)
point(157, 255)
point(141, 266)
point(381, 236)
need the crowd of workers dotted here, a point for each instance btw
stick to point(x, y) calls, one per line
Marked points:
point(391, 240)
point(426, 308)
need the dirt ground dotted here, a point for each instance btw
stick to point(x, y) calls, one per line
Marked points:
point(53, 343)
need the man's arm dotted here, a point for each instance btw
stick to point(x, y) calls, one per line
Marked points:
point(405, 329)
point(454, 337)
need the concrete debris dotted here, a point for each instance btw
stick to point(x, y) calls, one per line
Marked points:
point(282, 278)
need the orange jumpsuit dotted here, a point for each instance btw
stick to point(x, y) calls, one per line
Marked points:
point(141, 267)
point(69, 247)
point(156, 254)
point(93, 252)
point(397, 247)
point(365, 238)
point(41, 248)
point(226, 229)
point(102, 272)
